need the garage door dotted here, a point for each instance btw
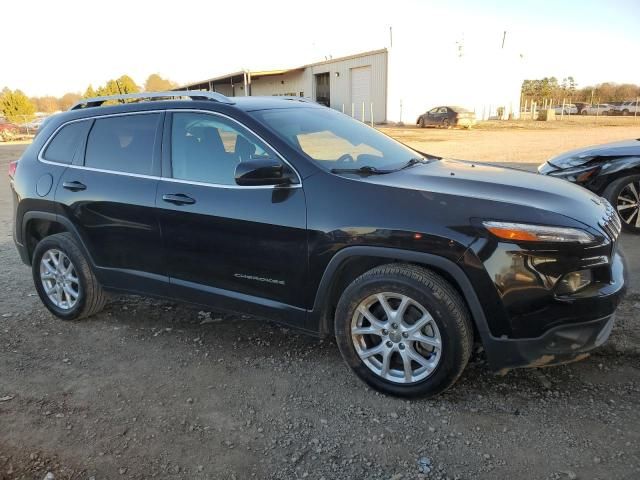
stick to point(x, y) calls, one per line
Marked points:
point(361, 91)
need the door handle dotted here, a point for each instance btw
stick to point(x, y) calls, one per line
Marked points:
point(74, 186)
point(178, 199)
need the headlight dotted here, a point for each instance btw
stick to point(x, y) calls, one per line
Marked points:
point(537, 233)
point(571, 162)
point(577, 174)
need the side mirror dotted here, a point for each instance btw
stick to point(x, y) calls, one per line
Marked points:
point(261, 171)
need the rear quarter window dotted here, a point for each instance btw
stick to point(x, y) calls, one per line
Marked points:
point(65, 143)
point(123, 144)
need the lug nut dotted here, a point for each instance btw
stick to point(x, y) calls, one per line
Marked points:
point(394, 326)
point(405, 335)
point(389, 344)
point(401, 346)
point(385, 332)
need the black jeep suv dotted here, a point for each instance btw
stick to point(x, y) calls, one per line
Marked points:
point(288, 210)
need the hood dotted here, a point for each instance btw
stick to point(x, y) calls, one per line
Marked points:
point(580, 156)
point(538, 195)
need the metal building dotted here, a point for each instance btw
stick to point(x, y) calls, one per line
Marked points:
point(395, 84)
point(356, 84)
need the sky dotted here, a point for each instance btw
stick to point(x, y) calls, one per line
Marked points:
point(54, 47)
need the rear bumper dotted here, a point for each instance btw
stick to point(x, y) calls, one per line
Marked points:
point(563, 344)
point(466, 122)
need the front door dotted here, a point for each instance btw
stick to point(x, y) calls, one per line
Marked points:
point(228, 245)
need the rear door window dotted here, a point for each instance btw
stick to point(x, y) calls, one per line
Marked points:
point(123, 143)
point(66, 142)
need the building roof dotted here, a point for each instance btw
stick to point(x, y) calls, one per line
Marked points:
point(266, 73)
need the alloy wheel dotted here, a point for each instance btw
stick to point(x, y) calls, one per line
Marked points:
point(628, 204)
point(396, 337)
point(59, 279)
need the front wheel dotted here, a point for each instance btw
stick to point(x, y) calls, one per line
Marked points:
point(421, 122)
point(64, 279)
point(404, 330)
point(624, 195)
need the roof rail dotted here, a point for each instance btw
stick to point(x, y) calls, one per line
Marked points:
point(193, 95)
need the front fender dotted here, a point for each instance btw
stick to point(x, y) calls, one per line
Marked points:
point(319, 320)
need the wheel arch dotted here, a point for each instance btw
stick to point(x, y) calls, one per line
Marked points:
point(37, 225)
point(351, 262)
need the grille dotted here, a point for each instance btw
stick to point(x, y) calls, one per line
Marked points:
point(610, 222)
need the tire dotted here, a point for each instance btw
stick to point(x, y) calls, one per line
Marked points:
point(625, 112)
point(90, 298)
point(421, 122)
point(446, 123)
point(584, 112)
point(621, 195)
point(449, 321)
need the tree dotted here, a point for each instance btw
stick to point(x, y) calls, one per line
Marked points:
point(68, 100)
point(46, 104)
point(119, 86)
point(155, 83)
point(90, 92)
point(127, 85)
point(16, 106)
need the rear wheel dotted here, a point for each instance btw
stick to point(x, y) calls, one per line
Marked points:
point(624, 195)
point(64, 280)
point(404, 330)
point(446, 123)
point(584, 112)
point(625, 112)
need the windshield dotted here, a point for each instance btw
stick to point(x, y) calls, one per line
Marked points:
point(334, 140)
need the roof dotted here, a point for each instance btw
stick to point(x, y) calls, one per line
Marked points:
point(246, 104)
point(265, 73)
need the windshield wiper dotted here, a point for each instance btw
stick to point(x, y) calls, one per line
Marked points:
point(414, 161)
point(364, 170)
point(369, 170)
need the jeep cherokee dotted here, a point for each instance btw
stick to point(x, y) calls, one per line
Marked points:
point(291, 211)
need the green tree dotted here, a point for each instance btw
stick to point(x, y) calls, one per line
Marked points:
point(16, 106)
point(90, 92)
point(118, 86)
point(127, 85)
point(155, 83)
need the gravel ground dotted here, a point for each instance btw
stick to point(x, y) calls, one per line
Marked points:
point(155, 389)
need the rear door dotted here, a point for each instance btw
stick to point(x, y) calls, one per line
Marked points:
point(109, 194)
point(225, 243)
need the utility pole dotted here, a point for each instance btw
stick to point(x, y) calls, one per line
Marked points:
point(504, 36)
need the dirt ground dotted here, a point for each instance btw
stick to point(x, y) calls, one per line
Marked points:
point(151, 389)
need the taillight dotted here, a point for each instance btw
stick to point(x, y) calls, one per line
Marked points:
point(13, 166)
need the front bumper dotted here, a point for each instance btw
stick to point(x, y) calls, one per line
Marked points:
point(569, 340)
point(563, 344)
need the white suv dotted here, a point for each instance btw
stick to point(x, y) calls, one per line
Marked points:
point(628, 108)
